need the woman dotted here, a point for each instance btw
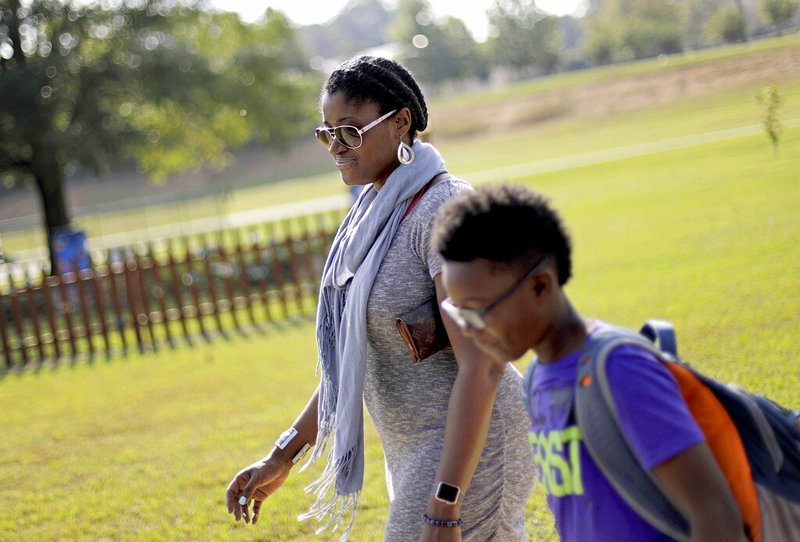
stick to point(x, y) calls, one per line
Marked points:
point(453, 427)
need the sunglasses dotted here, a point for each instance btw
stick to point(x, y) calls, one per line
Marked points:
point(476, 318)
point(348, 136)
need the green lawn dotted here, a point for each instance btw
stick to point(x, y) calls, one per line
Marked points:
point(707, 236)
point(142, 448)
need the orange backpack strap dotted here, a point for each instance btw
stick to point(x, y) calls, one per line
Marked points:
point(723, 439)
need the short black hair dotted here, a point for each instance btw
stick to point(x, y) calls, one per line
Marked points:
point(383, 81)
point(508, 225)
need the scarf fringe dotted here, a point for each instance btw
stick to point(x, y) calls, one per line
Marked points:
point(329, 506)
point(326, 421)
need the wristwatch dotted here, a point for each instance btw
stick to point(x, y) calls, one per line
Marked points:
point(447, 493)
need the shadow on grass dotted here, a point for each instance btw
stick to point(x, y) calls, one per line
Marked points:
point(150, 348)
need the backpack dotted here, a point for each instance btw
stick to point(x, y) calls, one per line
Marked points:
point(755, 441)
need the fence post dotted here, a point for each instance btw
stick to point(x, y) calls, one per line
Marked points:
point(67, 309)
point(16, 313)
point(4, 331)
point(37, 328)
point(227, 281)
point(161, 295)
point(145, 264)
point(97, 285)
point(262, 277)
point(177, 291)
point(80, 278)
point(134, 299)
point(195, 290)
point(48, 283)
point(295, 271)
point(277, 269)
point(212, 287)
point(244, 282)
point(115, 269)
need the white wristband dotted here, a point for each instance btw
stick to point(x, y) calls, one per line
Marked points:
point(286, 437)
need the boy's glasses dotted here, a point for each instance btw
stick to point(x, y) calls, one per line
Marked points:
point(348, 136)
point(475, 318)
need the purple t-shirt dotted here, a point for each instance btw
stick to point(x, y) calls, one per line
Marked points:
point(653, 417)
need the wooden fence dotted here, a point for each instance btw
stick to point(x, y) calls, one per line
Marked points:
point(159, 294)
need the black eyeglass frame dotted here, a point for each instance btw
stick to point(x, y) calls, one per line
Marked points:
point(475, 318)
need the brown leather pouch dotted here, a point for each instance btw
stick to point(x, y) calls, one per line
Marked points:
point(423, 331)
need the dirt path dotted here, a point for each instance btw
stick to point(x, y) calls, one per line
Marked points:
point(622, 94)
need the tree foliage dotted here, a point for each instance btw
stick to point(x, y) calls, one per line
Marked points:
point(730, 25)
point(619, 29)
point(157, 82)
point(435, 51)
point(779, 12)
point(523, 37)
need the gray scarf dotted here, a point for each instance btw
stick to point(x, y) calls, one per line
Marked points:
point(353, 262)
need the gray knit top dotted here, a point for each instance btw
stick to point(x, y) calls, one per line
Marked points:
point(408, 402)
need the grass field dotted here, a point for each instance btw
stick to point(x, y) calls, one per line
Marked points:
point(707, 236)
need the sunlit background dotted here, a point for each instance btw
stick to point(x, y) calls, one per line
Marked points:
point(165, 211)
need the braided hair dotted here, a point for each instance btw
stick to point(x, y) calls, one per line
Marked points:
point(383, 81)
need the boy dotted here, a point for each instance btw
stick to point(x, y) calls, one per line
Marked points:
point(507, 257)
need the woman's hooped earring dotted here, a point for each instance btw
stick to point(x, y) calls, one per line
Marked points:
point(405, 154)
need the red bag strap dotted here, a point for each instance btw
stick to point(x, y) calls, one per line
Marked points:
point(418, 195)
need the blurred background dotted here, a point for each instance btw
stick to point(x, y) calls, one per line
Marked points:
point(165, 212)
point(163, 111)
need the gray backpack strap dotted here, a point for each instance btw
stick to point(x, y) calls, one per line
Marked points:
point(598, 420)
point(662, 334)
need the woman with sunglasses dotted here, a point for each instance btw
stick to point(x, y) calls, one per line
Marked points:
point(453, 427)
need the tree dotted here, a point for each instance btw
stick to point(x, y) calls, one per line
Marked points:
point(779, 12)
point(524, 37)
point(652, 28)
point(743, 13)
point(730, 25)
point(435, 52)
point(601, 43)
point(157, 82)
point(636, 28)
point(705, 22)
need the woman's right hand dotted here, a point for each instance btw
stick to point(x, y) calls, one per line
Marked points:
point(256, 483)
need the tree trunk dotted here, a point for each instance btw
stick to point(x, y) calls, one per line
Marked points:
point(50, 183)
point(743, 13)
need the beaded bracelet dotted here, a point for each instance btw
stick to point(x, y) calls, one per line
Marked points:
point(442, 522)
